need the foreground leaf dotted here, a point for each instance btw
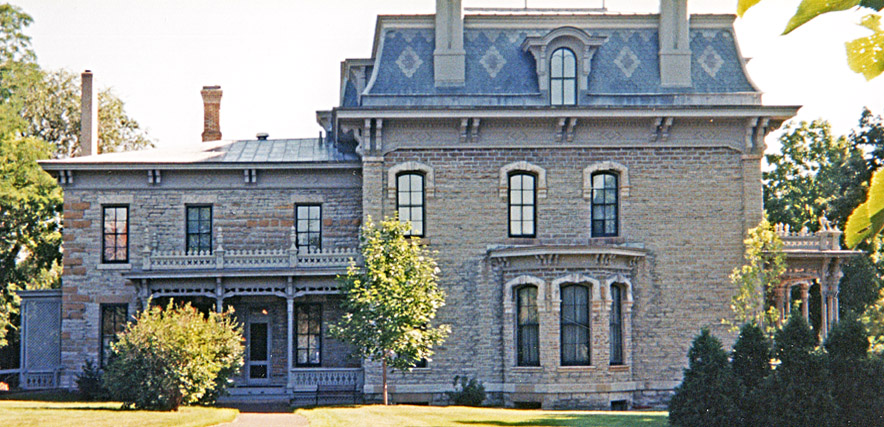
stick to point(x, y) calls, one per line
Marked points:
point(744, 5)
point(865, 55)
point(809, 9)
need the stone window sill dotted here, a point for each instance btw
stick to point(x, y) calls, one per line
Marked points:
point(420, 370)
point(618, 368)
point(126, 266)
point(527, 369)
point(584, 368)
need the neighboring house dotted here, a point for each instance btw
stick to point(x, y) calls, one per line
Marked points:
point(586, 179)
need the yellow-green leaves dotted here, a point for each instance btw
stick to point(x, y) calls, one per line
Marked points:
point(865, 55)
point(744, 5)
point(809, 9)
point(867, 219)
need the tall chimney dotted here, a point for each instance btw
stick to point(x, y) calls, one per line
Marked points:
point(449, 58)
point(211, 113)
point(675, 47)
point(88, 116)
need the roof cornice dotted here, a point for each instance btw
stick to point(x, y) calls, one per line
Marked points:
point(73, 164)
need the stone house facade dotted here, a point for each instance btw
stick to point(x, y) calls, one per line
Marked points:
point(586, 180)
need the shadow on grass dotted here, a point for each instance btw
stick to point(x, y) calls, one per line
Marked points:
point(577, 420)
point(41, 396)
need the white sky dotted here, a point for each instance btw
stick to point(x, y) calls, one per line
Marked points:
point(278, 61)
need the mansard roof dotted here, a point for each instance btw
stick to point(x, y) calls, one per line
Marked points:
point(499, 72)
point(221, 153)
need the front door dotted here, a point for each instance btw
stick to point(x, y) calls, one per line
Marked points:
point(258, 365)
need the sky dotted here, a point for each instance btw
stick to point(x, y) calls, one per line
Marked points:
point(278, 61)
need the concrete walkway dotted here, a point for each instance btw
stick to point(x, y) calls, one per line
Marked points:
point(265, 414)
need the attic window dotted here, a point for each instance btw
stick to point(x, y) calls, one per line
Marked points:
point(563, 59)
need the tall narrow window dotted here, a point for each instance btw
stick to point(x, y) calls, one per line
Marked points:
point(527, 333)
point(616, 325)
point(199, 229)
point(522, 204)
point(308, 334)
point(604, 205)
point(113, 321)
point(308, 225)
point(115, 234)
point(575, 325)
point(410, 201)
point(563, 77)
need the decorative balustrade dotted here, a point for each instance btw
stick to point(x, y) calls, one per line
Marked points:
point(221, 258)
point(35, 380)
point(827, 239)
point(310, 379)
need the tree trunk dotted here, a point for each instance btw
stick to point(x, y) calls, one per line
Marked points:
point(384, 363)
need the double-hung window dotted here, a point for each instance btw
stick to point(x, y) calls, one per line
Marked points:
point(410, 201)
point(575, 325)
point(113, 321)
point(563, 77)
point(199, 229)
point(308, 334)
point(604, 205)
point(308, 225)
point(522, 204)
point(616, 325)
point(527, 327)
point(115, 234)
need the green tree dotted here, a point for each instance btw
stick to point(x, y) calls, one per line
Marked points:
point(708, 395)
point(391, 302)
point(865, 55)
point(750, 362)
point(757, 279)
point(856, 380)
point(174, 356)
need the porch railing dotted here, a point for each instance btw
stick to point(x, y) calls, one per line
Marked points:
point(827, 239)
point(313, 379)
point(221, 258)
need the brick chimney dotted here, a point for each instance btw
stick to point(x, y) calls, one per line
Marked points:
point(212, 113)
point(88, 116)
point(675, 44)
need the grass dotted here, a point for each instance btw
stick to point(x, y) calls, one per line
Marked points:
point(404, 415)
point(59, 409)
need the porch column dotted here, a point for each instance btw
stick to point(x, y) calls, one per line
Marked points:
point(824, 313)
point(779, 301)
point(219, 295)
point(290, 311)
point(805, 299)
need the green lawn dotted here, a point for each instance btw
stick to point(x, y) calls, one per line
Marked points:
point(404, 415)
point(53, 410)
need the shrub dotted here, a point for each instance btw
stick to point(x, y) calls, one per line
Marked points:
point(89, 385)
point(750, 362)
point(471, 393)
point(856, 380)
point(708, 395)
point(174, 356)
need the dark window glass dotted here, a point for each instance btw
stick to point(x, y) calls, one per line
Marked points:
point(308, 223)
point(616, 325)
point(522, 205)
point(563, 77)
point(575, 325)
point(604, 205)
point(115, 234)
point(421, 363)
point(527, 333)
point(199, 229)
point(113, 321)
point(308, 334)
point(258, 340)
point(410, 201)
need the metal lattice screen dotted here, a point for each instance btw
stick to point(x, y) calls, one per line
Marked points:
point(42, 330)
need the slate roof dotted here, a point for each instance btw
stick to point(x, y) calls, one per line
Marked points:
point(499, 72)
point(307, 150)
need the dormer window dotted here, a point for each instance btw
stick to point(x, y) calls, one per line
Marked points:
point(562, 58)
point(563, 77)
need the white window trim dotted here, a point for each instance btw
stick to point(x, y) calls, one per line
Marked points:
point(574, 279)
point(608, 166)
point(509, 298)
point(503, 185)
point(621, 280)
point(426, 170)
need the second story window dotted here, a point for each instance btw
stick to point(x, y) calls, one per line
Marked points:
point(115, 234)
point(604, 205)
point(308, 225)
point(199, 229)
point(563, 77)
point(410, 201)
point(522, 214)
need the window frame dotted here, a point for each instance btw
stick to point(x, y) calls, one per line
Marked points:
point(615, 326)
point(616, 205)
point(298, 231)
point(187, 233)
point(102, 355)
point(423, 202)
point(510, 205)
point(104, 234)
point(562, 78)
point(520, 345)
point(295, 347)
point(587, 325)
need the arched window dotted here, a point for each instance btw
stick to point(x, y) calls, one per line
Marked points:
point(563, 77)
point(604, 204)
point(575, 325)
point(522, 204)
point(616, 325)
point(527, 327)
point(410, 201)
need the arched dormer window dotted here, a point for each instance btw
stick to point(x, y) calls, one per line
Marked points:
point(563, 77)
